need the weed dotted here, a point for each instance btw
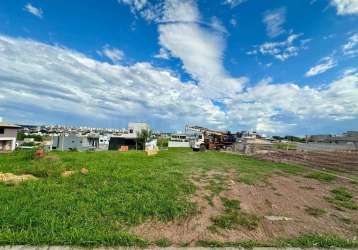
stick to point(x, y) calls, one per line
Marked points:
point(230, 204)
point(315, 211)
point(162, 242)
point(233, 217)
point(303, 241)
point(250, 221)
point(184, 243)
point(228, 220)
point(316, 240)
point(323, 177)
point(342, 198)
point(248, 244)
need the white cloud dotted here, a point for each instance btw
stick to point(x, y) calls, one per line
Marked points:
point(345, 7)
point(60, 81)
point(199, 48)
point(163, 54)
point(64, 81)
point(281, 50)
point(325, 64)
point(350, 71)
point(274, 21)
point(33, 10)
point(277, 108)
point(234, 3)
point(114, 54)
point(351, 48)
point(135, 4)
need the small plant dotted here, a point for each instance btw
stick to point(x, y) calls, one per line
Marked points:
point(342, 198)
point(228, 220)
point(184, 243)
point(315, 211)
point(163, 243)
point(233, 217)
point(231, 204)
point(324, 177)
point(250, 221)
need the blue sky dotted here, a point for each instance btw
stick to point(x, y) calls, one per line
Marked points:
point(277, 67)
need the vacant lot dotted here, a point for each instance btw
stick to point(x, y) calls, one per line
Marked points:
point(177, 197)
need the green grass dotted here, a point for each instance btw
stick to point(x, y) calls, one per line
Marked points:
point(234, 217)
point(121, 190)
point(342, 198)
point(323, 177)
point(304, 241)
point(163, 243)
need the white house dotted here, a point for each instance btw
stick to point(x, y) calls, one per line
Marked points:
point(8, 134)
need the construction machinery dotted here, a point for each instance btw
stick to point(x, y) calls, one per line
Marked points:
point(202, 139)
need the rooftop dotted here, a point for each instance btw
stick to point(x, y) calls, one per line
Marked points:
point(8, 125)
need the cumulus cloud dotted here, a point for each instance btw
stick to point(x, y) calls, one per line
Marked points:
point(199, 45)
point(33, 10)
point(281, 50)
point(351, 47)
point(274, 21)
point(199, 48)
point(345, 7)
point(163, 54)
point(61, 81)
point(325, 64)
point(234, 3)
point(274, 108)
point(114, 54)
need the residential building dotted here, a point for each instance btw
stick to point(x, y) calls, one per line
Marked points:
point(8, 133)
point(130, 138)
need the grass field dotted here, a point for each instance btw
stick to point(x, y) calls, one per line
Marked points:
point(121, 190)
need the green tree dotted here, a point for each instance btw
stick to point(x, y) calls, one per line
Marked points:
point(144, 136)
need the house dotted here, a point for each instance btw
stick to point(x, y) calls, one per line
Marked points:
point(130, 138)
point(74, 141)
point(8, 133)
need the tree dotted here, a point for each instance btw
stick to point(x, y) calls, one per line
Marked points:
point(144, 136)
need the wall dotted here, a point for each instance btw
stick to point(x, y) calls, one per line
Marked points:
point(325, 146)
point(9, 132)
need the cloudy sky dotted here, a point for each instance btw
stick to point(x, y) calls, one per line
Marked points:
point(274, 66)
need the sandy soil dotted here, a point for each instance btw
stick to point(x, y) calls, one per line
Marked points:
point(280, 195)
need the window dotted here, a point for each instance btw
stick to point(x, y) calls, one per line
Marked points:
point(2, 131)
point(131, 131)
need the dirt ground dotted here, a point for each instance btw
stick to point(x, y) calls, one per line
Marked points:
point(281, 195)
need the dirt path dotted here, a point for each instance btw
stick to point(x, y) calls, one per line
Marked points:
point(281, 195)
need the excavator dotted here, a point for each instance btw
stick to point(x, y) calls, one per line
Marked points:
point(203, 139)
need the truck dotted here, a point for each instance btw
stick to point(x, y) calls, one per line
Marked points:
point(203, 139)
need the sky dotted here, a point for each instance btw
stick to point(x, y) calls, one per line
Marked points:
point(273, 66)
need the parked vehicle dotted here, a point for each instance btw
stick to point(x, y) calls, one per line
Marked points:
point(207, 139)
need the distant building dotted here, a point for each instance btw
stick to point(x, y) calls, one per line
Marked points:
point(350, 137)
point(74, 142)
point(130, 138)
point(8, 133)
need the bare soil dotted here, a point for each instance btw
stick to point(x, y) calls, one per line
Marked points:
point(281, 195)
